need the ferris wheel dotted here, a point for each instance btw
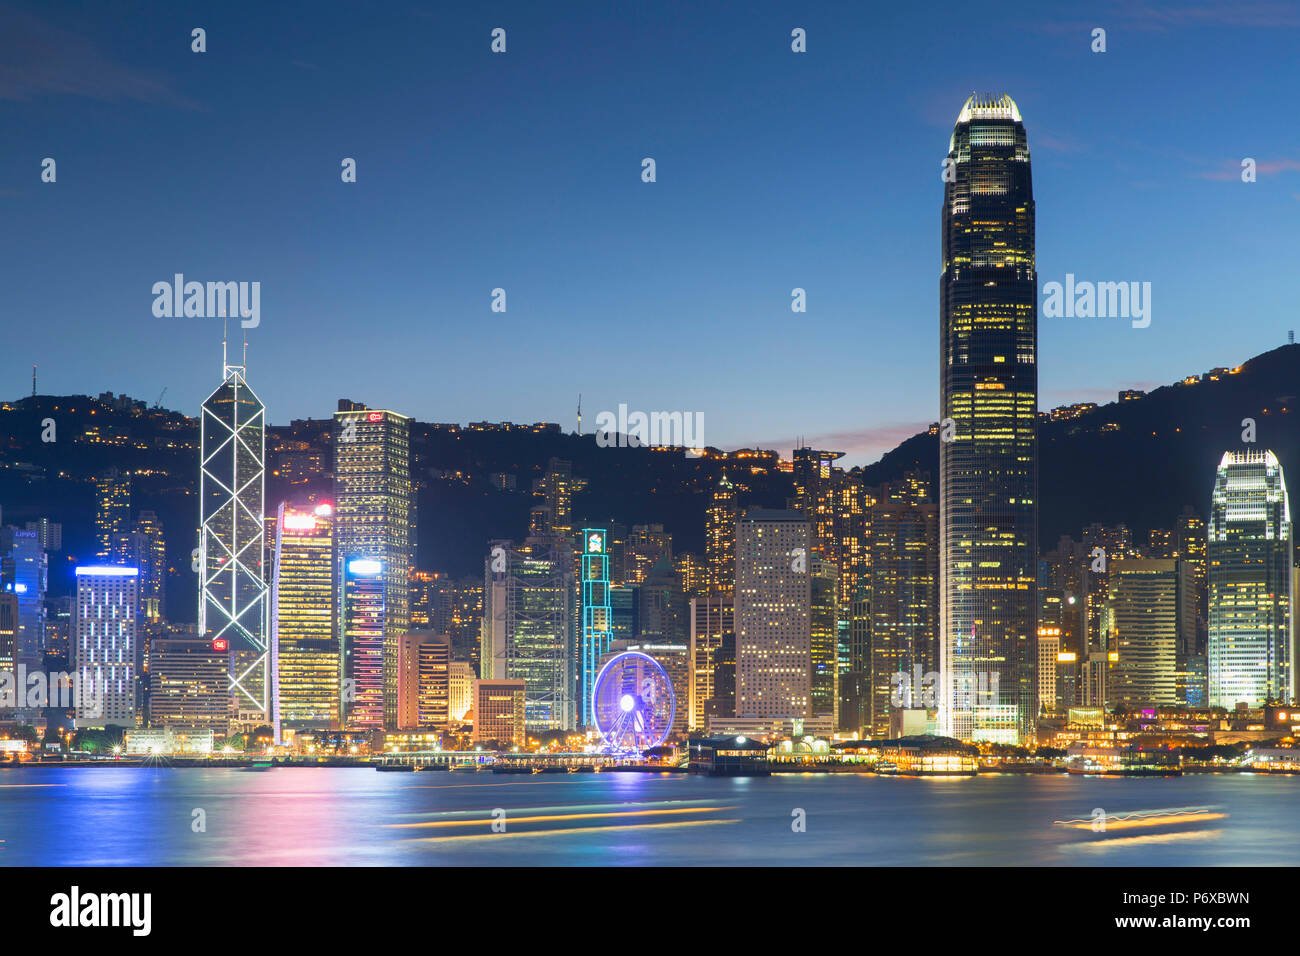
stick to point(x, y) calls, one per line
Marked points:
point(632, 702)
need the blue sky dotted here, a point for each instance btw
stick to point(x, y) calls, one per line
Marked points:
point(521, 170)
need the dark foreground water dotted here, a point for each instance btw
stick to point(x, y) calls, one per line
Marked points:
point(321, 816)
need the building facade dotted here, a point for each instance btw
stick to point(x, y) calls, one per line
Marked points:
point(1250, 559)
point(988, 450)
point(304, 618)
point(105, 661)
point(375, 515)
point(364, 624)
point(773, 618)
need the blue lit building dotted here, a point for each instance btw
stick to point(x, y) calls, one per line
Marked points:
point(363, 617)
point(104, 646)
point(24, 572)
point(597, 615)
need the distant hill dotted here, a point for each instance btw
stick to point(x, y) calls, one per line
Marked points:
point(1137, 462)
point(1140, 461)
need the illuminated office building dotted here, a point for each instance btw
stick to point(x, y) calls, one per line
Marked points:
point(1250, 560)
point(1049, 650)
point(1142, 623)
point(24, 573)
point(151, 559)
point(1160, 544)
point(557, 488)
point(8, 641)
point(720, 539)
point(597, 616)
point(814, 497)
point(460, 690)
point(646, 545)
point(773, 628)
point(375, 514)
point(430, 599)
point(903, 593)
point(49, 533)
point(424, 681)
point(105, 645)
point(527, 612)
point(363, 616)
point(1189, 547)
point(823, 620)
point(499, 712)
point(112, 515)
point(304, 617)
point(692, 573)
point(988, 462)
point(234, 603)
point(189, 683)
point(712, 620)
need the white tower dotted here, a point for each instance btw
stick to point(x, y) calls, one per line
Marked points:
point(233, 596)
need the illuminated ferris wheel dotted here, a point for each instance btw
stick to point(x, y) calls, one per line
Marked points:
point(632, 702)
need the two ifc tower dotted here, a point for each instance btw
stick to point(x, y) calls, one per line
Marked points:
point(988, 458)
point(988, 462)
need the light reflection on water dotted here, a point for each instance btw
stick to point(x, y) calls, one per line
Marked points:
point(341, 816)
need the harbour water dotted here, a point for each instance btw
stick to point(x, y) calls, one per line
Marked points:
point(165, 816)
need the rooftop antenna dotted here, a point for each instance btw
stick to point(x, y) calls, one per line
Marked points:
point(225, 366)
point(579, 413)
point(1290, 339)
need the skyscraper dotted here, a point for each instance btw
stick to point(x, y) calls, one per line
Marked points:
point(824, 613)
point(233, 596)
point(720, 539)
point(527, 601)
point(646, 545)
point(105, 645)
point(903, 590)
point(988, 454)
point(151, 558)
point(375, 514)
point(424, 685)
point(773, 627)
point(1250, 556)
point(304, 617)
point(597, 616)
point(189, 684)
point(712, 621)
point(1142, 624)
point(112, 514)
point(24, 573)
point(363, 617)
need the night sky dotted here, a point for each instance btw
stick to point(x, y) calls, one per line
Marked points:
point(522, 170)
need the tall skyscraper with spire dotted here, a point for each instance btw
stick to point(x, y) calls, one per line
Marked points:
point(988, 452)
point(233, 595)
point(375, 519)
point(1250, 559)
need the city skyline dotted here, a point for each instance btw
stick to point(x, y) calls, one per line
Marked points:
point(580, 437)
point(1117, 162)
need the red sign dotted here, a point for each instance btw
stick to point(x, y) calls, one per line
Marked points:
point(375, 417)
point(220, 644)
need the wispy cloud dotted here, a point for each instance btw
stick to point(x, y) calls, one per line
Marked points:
point(858, 445)
point(1232, 170)
point(1148, 16)
point(1157, 17)
point(1057, 144)
point(40, 59)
